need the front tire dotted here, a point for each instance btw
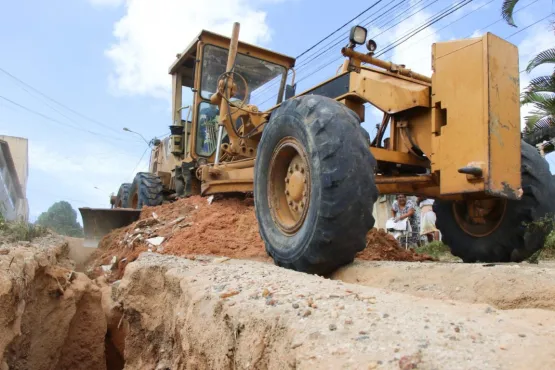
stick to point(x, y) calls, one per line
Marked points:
point(314, 185)
point(146, 190)
point(123, 196)
point(514, 239)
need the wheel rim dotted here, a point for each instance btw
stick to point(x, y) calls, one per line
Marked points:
point(289, 185)
point(481, 217)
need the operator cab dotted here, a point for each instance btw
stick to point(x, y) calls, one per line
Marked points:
point(199, 67)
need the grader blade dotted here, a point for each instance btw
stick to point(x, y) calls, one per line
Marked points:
point(98, 222)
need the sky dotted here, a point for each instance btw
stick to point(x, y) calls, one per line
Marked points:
point(74, 73)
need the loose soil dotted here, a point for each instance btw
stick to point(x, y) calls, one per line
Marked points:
point(224, 226)
point(381, 246)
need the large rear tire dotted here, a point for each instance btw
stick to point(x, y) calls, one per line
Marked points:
point(146, 190)
point(314, 185)
point(123, 196)
point(513, 239)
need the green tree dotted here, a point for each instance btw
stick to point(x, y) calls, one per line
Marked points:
point(507, 9)
point(61, 218)
point(540, 93)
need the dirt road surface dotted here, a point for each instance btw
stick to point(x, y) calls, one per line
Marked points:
point(505, 286)
point(218, 313)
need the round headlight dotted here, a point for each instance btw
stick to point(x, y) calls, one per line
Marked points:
point(371, 46)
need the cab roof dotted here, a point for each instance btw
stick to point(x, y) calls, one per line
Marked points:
point(186, 60)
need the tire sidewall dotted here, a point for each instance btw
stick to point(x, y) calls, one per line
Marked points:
point(281, 126)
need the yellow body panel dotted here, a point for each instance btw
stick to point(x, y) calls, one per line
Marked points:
point(476, 82)
point(390, 95)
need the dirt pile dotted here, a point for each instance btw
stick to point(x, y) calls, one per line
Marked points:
point(50, 316)
point(187, 227)
point(381, 246)
point(225, 226)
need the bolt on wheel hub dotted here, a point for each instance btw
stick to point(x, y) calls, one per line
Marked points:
point(289, 185)
point(480, 217)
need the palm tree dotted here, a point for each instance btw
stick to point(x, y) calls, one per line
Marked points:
point(541, 90)
point(540, 93)
point(507, 9)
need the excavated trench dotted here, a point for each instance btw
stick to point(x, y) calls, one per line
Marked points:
point(216, 313)
point(52, 317)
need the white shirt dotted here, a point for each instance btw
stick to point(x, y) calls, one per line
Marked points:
point(426, 202)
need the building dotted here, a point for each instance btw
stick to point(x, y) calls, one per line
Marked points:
point(13, 178)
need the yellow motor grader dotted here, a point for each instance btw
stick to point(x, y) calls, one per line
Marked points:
point(315, 173)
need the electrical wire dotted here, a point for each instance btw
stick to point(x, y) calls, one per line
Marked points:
point(440, 15)
point(138, 163)
point(337, 30)
point(341, 39)
point(479, 29)
point(56, 102)
point(328, 47)
point(451, 23)
point(506, 38)
point(57, 121)
point(430, 22)
point(377, 18)
point(444, 13)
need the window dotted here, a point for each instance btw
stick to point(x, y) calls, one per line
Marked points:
point(263, 78)
point(207, 131)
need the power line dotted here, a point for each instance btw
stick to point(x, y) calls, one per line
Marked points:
point(318, 53)
point(57, 102)
point(337, 30)
point(138, 163)
point(341, 38)
point(451, 23)
point(55, 120)
point(330, 45)
point(480, 29)
point(428, 23)
point(440, 15)
point(506, 38)
point(501, 18)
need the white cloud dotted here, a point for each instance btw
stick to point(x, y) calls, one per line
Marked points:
point(415, 54)
point(151, 33)
point(477, 33)
point(88, 170)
